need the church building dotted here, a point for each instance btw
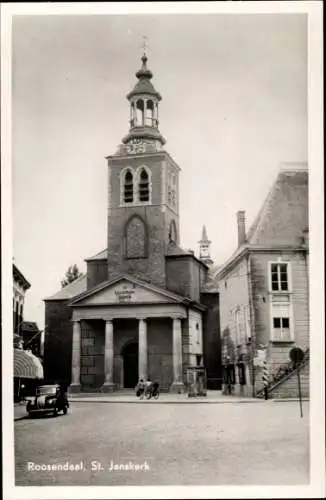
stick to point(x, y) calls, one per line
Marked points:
point(145, 307)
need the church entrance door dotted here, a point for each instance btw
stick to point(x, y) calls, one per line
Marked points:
point(130, 365)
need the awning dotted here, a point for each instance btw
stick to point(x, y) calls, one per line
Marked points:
point(26, 365)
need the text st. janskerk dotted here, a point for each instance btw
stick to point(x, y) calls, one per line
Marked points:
point(145, 307)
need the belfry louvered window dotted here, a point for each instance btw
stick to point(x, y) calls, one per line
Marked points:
point(143, 186)
point(129, 188)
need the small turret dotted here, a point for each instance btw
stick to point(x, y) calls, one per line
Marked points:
point(204, 247)
point(144, 105)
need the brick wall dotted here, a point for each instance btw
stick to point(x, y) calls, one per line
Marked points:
point(151, 267)
point(92, 354)
point(157, 217)
point(184, 275)
point(57, 341)
point(97, 271)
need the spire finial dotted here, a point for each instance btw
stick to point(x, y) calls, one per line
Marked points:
point(144, 46)
point(204, 234)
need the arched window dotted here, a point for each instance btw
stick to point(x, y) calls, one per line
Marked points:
point(135, 238)
point(149, 113)
point(173, 232)
point(140, 112)
point(128, 187)
point(132, 114)
point(143, 186)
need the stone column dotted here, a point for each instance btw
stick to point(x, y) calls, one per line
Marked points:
point(108, 385)
point(177, 385)
point(142, 346)
point(75, 361)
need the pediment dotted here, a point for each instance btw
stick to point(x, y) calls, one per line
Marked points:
point(125, 291)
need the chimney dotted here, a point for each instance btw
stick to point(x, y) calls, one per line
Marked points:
point(241, 219)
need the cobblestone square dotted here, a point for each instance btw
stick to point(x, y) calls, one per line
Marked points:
point(265, 443)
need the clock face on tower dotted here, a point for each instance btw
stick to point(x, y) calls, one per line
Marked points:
point(136, 146)
point(204, 252)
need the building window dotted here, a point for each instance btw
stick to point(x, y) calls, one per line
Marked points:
point(143, 186)
point(128, 187)
point(279, 277)
point(173, 232)
point(281, 323)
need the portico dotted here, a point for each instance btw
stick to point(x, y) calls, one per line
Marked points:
point(102, 333)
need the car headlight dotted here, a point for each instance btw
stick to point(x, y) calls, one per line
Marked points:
point(51, 401)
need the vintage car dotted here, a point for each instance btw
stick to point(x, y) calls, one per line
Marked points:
point(48, 399)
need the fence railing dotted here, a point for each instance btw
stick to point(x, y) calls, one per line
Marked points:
point(282, 373)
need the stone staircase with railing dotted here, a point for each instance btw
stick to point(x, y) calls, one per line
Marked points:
point(284, 382)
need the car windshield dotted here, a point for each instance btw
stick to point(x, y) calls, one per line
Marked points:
point(47, 389)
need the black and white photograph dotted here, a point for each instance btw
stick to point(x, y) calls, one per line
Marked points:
point(162, 257)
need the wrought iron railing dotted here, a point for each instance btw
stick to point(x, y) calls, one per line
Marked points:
point(283, 372)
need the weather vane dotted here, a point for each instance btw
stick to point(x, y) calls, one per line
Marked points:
point(144, 45)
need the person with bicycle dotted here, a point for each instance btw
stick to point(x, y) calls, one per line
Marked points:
point(148, 387)
point(140, 389)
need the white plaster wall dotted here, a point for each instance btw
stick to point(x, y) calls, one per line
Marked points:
point(195, 334)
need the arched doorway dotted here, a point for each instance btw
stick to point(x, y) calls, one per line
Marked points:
point(130, 365)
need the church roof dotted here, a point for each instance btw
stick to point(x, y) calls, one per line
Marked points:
point(103, 255)
point(144, 84)
point(284, 214)
point(204, 238)
point(68, 292)
point(174, 249)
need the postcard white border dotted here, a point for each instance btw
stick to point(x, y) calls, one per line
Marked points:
point(316, 190)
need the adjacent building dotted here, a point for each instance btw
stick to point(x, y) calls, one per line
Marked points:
point(20, 286)
point(264, 286)
point(145, 307)
point(27, 369)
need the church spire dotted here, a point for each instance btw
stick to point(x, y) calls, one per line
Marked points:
point(144, 106)
point(204, 247)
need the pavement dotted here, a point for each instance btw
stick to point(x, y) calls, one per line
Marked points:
point(165, 444)
point(128, 396)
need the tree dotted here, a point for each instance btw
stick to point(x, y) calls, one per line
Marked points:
point(71, 275)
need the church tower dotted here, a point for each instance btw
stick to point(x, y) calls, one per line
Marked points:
point(143, 190)
point(204, 248)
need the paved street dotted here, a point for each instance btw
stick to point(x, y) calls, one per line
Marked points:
point(214, 444)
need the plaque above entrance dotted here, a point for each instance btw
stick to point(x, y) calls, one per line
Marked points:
point(126, 293)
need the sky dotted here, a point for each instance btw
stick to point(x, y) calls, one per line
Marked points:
point(233, 109)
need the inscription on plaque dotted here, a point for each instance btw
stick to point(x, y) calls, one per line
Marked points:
point(125, 294)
